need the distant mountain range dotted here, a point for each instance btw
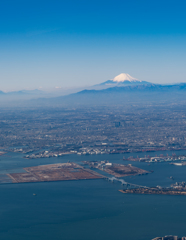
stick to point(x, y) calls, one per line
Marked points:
point(125, 83)
point(23, 92)
point(20, 95)
point(147, 87)
point(134, 94)
point(123, 89)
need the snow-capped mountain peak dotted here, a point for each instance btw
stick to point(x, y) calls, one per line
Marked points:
point(125, 77)
point(121, 80)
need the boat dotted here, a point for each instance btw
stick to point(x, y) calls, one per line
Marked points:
point(178, 164)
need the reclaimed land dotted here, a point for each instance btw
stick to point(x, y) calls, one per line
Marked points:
point(119, 170)
point(163, 191)
point(54, 172)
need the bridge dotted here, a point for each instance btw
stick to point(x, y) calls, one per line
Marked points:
point(123, 182)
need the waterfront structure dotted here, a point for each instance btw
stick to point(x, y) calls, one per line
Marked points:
point(170, 237)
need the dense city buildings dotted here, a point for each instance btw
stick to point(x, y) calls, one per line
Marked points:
point(93, 130)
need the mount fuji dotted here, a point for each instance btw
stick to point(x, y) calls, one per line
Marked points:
point(121, 80)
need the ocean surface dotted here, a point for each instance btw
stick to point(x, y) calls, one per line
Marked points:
point(89, 209)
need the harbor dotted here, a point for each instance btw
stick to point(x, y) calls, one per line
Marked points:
point(156, 159)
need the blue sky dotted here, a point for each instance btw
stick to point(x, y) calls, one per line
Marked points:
point(79, 43)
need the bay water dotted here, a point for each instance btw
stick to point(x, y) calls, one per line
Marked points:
point(89, 209)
